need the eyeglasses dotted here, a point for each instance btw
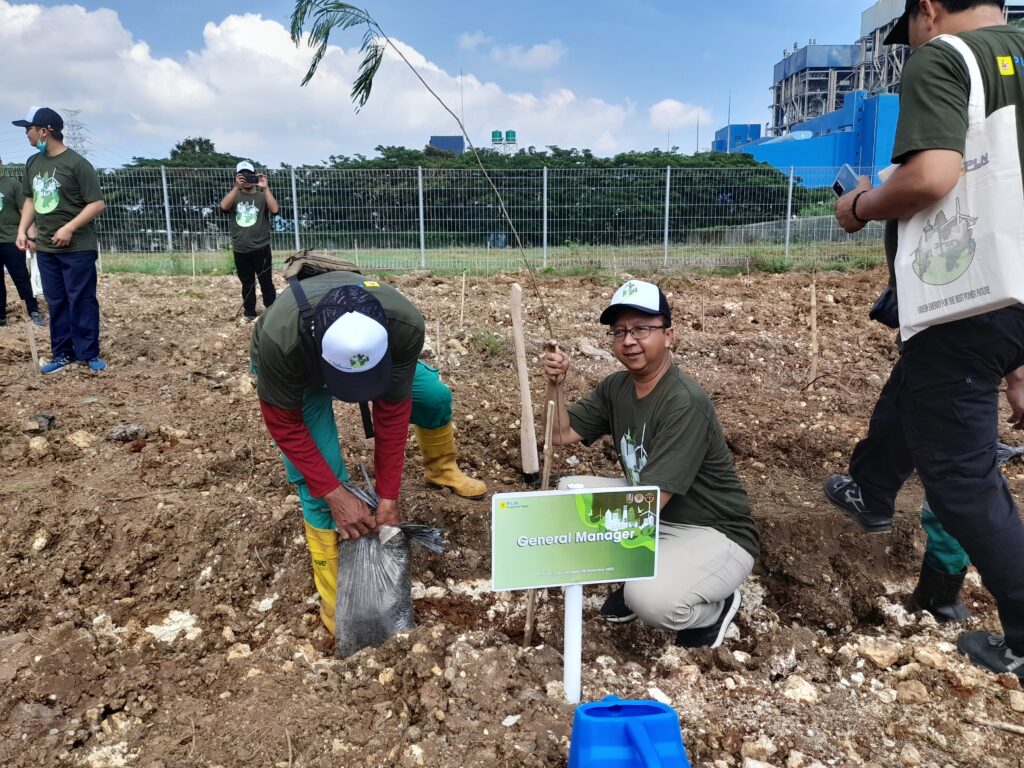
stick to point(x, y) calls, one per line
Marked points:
point(638, 332)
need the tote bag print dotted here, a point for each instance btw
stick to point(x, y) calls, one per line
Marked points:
point(964, 255)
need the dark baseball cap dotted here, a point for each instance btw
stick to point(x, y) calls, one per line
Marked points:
point(639, 295)
point(900, 34)
point(42, 117)
point(352, 329)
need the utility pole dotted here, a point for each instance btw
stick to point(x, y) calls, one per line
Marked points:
point(75, 133)
point(728, 127)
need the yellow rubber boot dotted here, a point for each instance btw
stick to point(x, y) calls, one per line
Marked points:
point(323, 548)
point(438, 449)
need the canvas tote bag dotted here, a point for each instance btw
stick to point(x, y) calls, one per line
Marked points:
point(964, 255)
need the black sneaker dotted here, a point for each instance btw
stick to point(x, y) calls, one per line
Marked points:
point(991, 652)
point(615, 609)
point(843, 491)
point(713, 636)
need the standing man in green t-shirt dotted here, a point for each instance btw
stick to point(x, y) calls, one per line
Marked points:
point(11, 201)
point(941, 402)
point(667, 434)
point(250, 203)
point(62, 199)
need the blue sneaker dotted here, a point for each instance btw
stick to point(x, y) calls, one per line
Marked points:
point(58, 363)
point(37, 319)
point(96, 365)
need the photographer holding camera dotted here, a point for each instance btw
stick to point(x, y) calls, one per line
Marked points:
point(251, 204)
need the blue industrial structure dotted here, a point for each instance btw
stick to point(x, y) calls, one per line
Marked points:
point(860, 133)
point(732, 136)
point(454, 144)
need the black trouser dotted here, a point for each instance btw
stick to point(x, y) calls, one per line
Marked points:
point(253, 266)
point(14, 260)
point(939, 414)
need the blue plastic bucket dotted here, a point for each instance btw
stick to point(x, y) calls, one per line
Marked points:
point(615, 733)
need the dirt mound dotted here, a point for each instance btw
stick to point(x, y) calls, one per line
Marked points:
point(156, 601)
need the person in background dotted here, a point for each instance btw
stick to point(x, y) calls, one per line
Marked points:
point(62, 200)
point(11, 201)
point(250, 203)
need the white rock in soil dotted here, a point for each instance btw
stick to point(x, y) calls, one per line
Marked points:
point(930, 657)
point(761, 749)
point(172, 433)
point(795, 759)
point(42, 538)
point(909, 755)
point(881, 652)
point(800, 690)
point(511, 720)
point(239, 651)
point(659, 695)
point(82, 439)
point(749, 762)
point(38, 447)
point(1016, 701)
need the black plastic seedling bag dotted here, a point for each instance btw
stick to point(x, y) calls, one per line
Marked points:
point(374, 599)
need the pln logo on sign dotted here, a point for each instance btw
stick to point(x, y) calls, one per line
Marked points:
point(1005, 64)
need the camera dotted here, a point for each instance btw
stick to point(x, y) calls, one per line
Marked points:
point(248, 177)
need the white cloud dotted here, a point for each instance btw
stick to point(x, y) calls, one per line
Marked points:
point(470, 41)
point(241, 89)
point(669, 113)
point(540, 56)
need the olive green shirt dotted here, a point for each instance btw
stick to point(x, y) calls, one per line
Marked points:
point(60, 187)
point(671, 438)
point(11, 200)
point(250, 222)
point(286, 368)
point(936, 88)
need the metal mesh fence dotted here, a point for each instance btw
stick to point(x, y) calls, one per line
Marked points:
point(168, 220)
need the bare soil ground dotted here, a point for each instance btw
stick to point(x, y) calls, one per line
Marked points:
point(157, 607)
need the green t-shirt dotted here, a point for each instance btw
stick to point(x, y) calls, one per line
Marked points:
point(11, 201)
point(285, 369)
point(936, 87)
point(250, 222)
point(671, 438)
point(60, 187)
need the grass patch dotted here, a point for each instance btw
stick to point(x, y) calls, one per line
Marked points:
point(774, 265)
point(489, 343)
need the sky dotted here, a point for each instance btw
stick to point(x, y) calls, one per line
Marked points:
point(607, 76)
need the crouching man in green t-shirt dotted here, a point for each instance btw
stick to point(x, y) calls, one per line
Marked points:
point(667, 435)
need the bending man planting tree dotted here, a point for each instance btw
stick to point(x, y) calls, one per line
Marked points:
point(667, 435)
point(339, 335)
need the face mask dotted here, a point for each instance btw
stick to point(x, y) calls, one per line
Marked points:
point(41, 146)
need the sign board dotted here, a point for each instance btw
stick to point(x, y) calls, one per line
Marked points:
point(557, 538)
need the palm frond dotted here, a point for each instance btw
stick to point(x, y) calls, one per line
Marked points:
point(328, 15)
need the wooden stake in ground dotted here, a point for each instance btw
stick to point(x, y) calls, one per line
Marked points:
point(462, 306)
point(531, 599)
point(814, 329)
point(30, 329)
point(527, 429)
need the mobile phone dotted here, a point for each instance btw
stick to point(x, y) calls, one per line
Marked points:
point(846, 180)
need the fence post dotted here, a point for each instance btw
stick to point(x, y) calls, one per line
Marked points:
point(789, 210)
point(545, 227)
point(668, 192)
point(167, 208)
point(423, 236)
point(295, 214)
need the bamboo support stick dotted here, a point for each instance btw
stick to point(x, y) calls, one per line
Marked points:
point(531, 599)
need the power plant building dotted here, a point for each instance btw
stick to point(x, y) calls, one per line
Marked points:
point(835, 104)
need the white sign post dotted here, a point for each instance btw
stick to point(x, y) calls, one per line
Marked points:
point(568, 538)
